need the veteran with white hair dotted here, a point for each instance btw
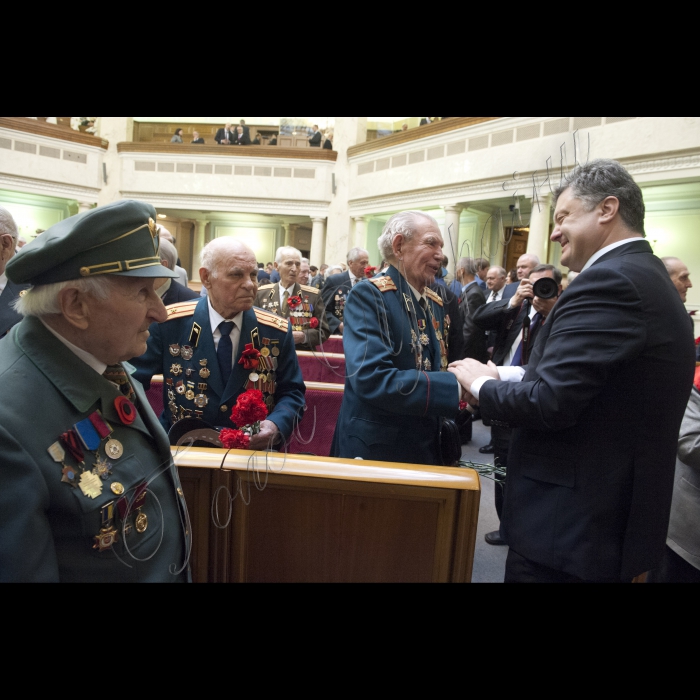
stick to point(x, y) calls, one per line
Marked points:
point(338, 286)
point(88, 489)
point(397, 391)
point(200, 351)
point(9, 291)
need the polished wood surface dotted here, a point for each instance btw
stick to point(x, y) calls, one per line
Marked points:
point(421, 132)
point(315, 520)
point(53, 131)
point(229, 151)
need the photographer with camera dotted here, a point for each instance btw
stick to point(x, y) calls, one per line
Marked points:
point(517, 321)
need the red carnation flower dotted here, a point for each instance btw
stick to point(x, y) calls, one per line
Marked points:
point(294, 303)
point(313, 323)
point(697, 342)
point(234, 440)
point(463, 405)
point(370, 272)
point(250, 358)
point(249, 409)
point(697, 378)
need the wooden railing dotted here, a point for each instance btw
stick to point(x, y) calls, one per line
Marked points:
point(230, 151)
point(300, 519)
point(421, 132)
point(53, 131)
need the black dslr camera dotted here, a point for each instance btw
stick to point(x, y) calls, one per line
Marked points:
point(546, 288)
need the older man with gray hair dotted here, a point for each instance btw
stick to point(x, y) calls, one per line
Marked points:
point(170, 290)
point(88, 489)
point(9, 291)
point(299, 303)
point(337, 288)
point(397, 391)
point(200, 350)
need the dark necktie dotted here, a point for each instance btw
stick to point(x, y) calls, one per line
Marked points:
point(522, 356)
point(424, 305)
point(117, 375)
point(224, 352)
point(495, 296)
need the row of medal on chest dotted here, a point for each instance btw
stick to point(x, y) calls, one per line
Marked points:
point(91, 435)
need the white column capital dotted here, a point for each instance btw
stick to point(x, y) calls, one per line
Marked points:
point(319, 219)
point(85, 206)
point(454, 208)
point(360, 219)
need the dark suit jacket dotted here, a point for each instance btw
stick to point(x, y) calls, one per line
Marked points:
point(391, 412)
point(474, 338)
point(335, 294)
point(180, 330)
point(178, 293)
point(597, 417)
point(492, 339)
point(263, 277)
point(221, 135)
point(199, 141)
point(241, 140)
point(315, 140)
point(504, 325)
point(8, 316)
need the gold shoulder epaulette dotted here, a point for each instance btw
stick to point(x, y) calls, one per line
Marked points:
point(310, 290)
point(267, 286)
point(181, 310)
point(268, 319)
point(432, 295)
point(384, 284)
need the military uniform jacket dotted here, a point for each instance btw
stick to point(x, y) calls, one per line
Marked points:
point(392, 410)
point(48, 528)
point(189, 327)
point(335, 296)
point(312, 307)
point(8, 316)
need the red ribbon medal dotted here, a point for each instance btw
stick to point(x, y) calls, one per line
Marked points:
point(126, 410)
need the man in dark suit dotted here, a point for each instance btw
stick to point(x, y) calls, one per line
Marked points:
point(170, 290)
point(338, 287)
point(9, 291)
point(197, 139)
point(315, 138)
point(471, 300)
point(241, 138)
point(263, 275)
point(225, 136)
point(599, 409)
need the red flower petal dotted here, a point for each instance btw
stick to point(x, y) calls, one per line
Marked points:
point(126, 410)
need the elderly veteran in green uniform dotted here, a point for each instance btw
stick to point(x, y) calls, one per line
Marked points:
point(397, 389)
point(302, 305)
point(88, 489)
point(205, 348)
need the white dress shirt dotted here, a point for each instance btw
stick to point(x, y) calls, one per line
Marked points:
point(499, 296)
point(354, 280)
point(605, 251)
point(90, 360)
point(216, 319)
point(3, 282)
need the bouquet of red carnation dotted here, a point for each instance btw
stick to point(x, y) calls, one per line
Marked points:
point(248, 413)
point(370, 272)
point(314, 323)
point(294, 303)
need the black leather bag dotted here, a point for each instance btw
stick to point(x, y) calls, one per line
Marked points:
point(450, 444)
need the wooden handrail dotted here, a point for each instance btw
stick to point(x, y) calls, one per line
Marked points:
point(53, 131)
point(315, 386)
point(421, 132)
point(229, 151)
point(328, 468)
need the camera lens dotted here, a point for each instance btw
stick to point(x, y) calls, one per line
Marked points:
point(546, 288)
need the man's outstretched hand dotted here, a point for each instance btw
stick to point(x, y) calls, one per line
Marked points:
point(468, 371)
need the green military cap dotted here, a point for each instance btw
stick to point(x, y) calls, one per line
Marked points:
point(117, 239)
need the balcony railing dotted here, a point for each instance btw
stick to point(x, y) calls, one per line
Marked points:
point(230, 151)
point(53, 131)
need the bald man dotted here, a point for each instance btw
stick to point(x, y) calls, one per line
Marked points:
point(199, 351)
point(9, 291)
point(680, 276)
point(526, 265)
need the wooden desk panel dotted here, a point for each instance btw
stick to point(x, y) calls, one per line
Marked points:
point(298, 524)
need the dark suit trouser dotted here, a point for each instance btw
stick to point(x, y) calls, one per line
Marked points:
point(521, 570)
point(501, 442)
point(674, 569)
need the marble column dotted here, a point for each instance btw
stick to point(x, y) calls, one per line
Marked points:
point(200, 236)
point(349, 131)
point(451, 232)
point(318, 242)
point(115, 130)
point(360, 237)
point(540, 221)
point(85, 206)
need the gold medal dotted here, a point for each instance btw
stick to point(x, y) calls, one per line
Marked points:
point(176, 370)
point(107, 538)
point(265, 352)
point(141, 523)
point(114, 449)
point(204, 373)
point(190, 395)
point(187, 353)
point(90, 485)
point(117, 489)
point(201, 401)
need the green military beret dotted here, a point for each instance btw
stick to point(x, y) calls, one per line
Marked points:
point(117, 239)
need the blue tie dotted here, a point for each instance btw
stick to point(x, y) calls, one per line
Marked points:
point(224, 352)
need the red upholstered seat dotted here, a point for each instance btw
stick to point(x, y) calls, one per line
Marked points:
point(323, 401)
point(322, 367)
point(334, 345)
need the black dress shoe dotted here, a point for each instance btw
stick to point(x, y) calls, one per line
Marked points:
point(494, 539)
point(488, 450)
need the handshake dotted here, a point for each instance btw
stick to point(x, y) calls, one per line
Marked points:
point(467, 372)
